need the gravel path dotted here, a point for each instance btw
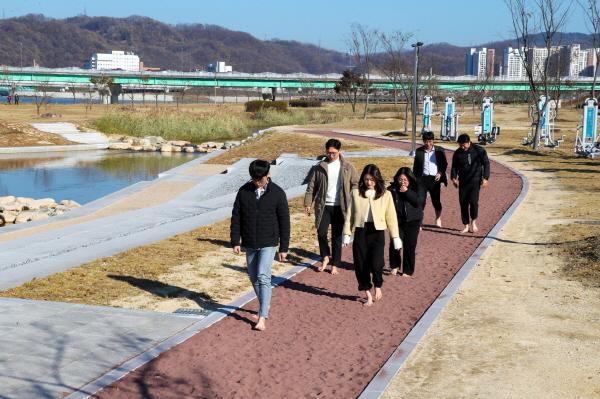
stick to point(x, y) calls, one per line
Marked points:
point(320, 341)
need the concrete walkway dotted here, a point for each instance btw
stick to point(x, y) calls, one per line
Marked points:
point(46, 348)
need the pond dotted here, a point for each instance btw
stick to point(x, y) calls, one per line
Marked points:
point(81, 176)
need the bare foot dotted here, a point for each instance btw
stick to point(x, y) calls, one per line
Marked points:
point(474, 227)
point(394, 272)
point(369, 299)
point(324, 264)
point(254, 317)
point(334, 270)
point(261, 324)
point(378, 294)
point(466, 229)
point(438, 222)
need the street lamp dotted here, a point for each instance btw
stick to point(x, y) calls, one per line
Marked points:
point(414, 98)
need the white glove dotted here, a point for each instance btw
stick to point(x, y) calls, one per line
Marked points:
point(397, 243)
point(346, 240)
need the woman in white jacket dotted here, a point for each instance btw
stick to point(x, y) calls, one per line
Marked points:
point(371, 212)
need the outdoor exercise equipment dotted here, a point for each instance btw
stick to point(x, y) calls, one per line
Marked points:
point(488, 132)
point(427, 113)
point(546, 124)
point(587, 140)
point(449, 125)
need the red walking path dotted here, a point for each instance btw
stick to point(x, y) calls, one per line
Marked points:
point(320, 341)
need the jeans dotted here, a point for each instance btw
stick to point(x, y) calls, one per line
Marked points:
point(259, 261)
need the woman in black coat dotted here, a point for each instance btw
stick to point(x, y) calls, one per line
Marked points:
point(408, 200)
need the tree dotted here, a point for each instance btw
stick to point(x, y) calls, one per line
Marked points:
point(394, 64)
point(103, 85)
point(40, 95)
point(349, 84)
point(591, 11)
point(546, 17)
point(363, 45)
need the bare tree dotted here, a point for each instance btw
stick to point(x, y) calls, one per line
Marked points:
point(591, 10)
point(394, 64)
point(529, 17)
point(103, 85)
point(363, 45)
point(41, 96)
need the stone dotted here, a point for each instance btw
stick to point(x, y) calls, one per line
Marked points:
point(7, 199)
point(136, 148)
point(41, 203)
point(149, 147)
point(14, 206)
point(176, 148)
point(154, 140)
point(118, 145)
point(179, 143)
point(230, 144)
point(69, 204)
point(189, 149)
point(209, 144)
point(30, 216)
point(166, 147)
point(9, 216)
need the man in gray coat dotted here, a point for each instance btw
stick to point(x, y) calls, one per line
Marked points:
point(330, 183)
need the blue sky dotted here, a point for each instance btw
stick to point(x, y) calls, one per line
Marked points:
point(325, 23)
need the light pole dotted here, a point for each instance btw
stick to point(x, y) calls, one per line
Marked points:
point(414, 98)
point(21, 53)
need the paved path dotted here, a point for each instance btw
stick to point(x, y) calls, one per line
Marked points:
point(320, 342)
point(70, 132)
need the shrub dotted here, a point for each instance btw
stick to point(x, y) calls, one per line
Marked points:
point(257, 105)
point(305, 102)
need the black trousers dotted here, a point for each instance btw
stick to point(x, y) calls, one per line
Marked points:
point(332, 215)
point(428, 185)
point(409, 233)
point(368, 250)
point(468, 197)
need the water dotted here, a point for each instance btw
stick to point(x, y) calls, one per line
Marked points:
point(81, 176)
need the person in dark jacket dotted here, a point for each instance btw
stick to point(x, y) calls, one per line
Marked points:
point(470, 171)
point(429, 167)
point(408, 200)
point(260, 220)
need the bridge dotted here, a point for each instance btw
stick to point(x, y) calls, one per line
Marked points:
point(34, 78)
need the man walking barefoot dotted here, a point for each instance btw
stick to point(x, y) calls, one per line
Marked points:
point(429, 167)
point(470, 171)
point(259, 221)
point(329, 186)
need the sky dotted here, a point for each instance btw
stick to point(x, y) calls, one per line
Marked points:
point(325, 23)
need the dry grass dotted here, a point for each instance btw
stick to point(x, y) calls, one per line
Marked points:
point(194, 269)
point(271, 145)
point(21, 135)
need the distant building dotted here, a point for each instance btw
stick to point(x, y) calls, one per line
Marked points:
point(219, 67)
point(577, 60)
point(126, 61)
point(476, 62)
point(512, 63)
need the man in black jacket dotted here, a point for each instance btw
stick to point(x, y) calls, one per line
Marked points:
point(260, 220)
point(470, 171)
point(429, 167)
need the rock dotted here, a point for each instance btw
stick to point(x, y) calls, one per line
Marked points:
point(9, 216)
point(14, 206)
point(201, 150)
point(41, 203)
point(149, 147)
point(166, 147)
point(189, 149)
point(209, 144)
point(179, 143)
point(7, 200)
point(230, 144)
point(30, 216)
point(136, 148)
point(50, 115)
point(118, 145)
point(154, 140)
point(69, 204)
point(176, 148)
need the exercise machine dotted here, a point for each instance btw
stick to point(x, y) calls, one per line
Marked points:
point(449, 125)
point(489, 131)
point(427, 113)
point(547, 130)
point(587, 140)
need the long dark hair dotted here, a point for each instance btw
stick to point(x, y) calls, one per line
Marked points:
point(374, 171)
point(413, 184)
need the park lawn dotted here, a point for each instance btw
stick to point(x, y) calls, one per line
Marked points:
point(272, 144)
point(190, 270)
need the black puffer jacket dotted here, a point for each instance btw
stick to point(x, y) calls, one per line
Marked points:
point(409, 205)
point(261, 223)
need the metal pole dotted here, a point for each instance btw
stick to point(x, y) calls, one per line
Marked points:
point(414, 99)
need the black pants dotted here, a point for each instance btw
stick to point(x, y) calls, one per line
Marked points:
point(332, 215)
point(468, 196)
point(409, 233)
point(367, 248)
point(428, 185)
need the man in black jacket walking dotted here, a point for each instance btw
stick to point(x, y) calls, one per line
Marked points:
point(470, 171)
point(429, 167)
point(260, 220)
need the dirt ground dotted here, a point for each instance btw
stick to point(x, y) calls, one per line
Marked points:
point(516, 328)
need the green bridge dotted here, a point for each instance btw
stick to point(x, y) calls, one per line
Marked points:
point(170, 80)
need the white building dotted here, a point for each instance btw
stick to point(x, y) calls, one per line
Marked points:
point(578, 60)
point(219, 67)
point(512, 63)
point(126, 61)
point(476, 62)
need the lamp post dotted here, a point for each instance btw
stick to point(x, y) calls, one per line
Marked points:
point(414, 98)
